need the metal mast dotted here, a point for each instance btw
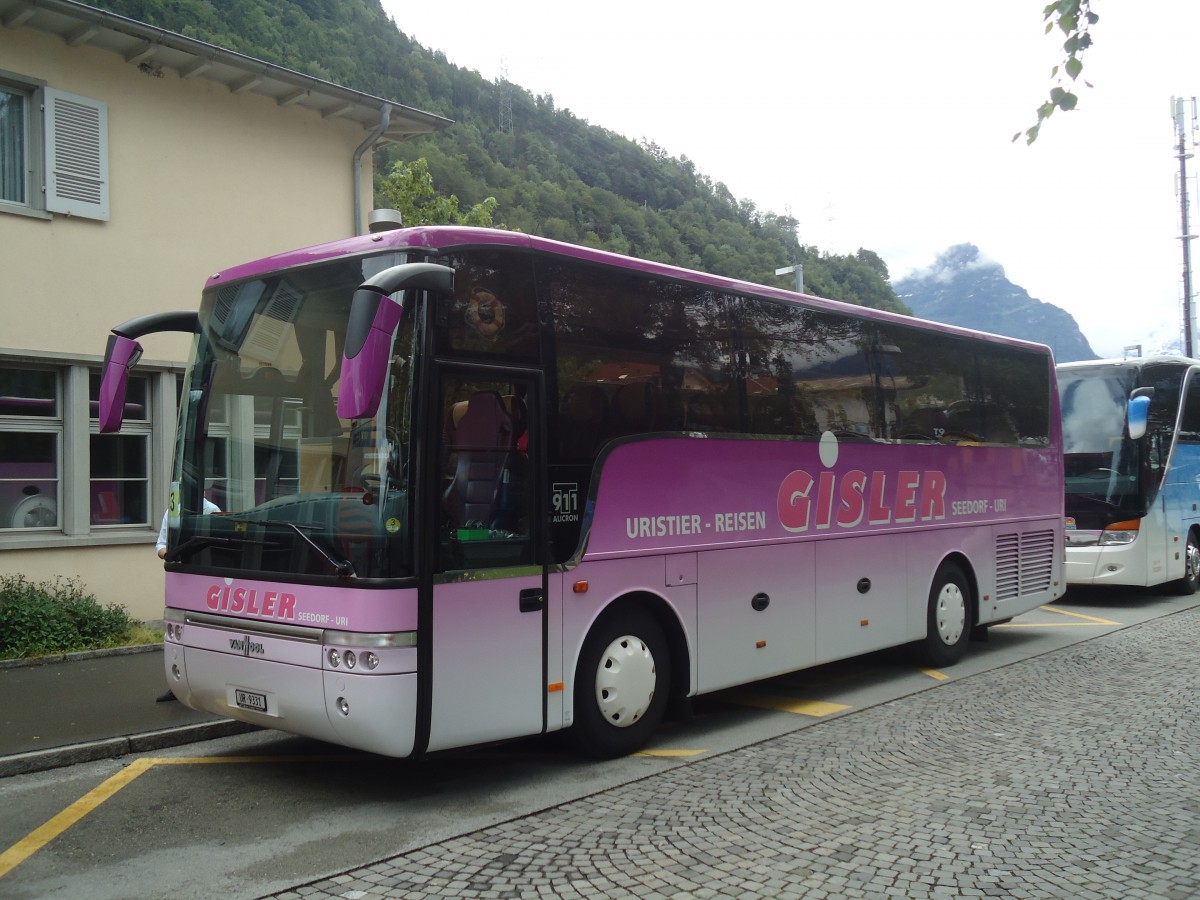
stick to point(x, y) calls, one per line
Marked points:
point(505, 91)
point(1185, 237)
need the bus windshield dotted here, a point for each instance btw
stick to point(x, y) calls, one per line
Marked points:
point(1100, 462)
point(268, 480)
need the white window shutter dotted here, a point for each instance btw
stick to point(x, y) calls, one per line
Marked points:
point(76, 155)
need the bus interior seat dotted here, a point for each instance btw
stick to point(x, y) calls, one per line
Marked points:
point(483, 438)
point(516, 407)
point(986, 422)
point(922, 424)
point(707, 410)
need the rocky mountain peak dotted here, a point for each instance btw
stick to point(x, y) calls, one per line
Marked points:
point(964, 287)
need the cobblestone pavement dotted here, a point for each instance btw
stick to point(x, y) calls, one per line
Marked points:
point(1072, 774)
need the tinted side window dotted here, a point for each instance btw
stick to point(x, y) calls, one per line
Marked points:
point(493, 312)
point(1167, 381)
point(951, 389)
point(1189, 428)
point(635, 356)
point(808, 372)
point(1015, 384)
point(931, 380)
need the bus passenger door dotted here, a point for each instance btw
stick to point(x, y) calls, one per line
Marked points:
point(489, 591)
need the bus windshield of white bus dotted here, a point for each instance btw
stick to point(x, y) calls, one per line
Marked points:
point(1110, 476)
point(268, 478)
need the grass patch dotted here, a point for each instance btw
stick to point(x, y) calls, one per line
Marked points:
point(52, 617)
point(140, 634)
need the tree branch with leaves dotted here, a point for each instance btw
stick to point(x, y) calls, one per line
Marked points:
point(409, 189)
point(1074, 18)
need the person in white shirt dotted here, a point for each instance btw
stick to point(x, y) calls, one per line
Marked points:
point(161, 546)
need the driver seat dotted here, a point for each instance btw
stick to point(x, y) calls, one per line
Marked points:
point(482, 441)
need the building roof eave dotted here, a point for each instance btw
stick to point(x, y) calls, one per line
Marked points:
point(154, 49)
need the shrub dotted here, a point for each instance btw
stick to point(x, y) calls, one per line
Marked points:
point(45, 618)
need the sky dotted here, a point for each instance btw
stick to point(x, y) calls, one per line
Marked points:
point(888, 125)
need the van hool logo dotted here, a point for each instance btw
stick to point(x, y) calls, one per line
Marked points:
point(247, 647)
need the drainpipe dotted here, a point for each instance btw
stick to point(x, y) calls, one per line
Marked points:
point(385, 116)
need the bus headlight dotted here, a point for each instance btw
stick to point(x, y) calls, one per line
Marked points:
point(335, 658)
point(1120, 533)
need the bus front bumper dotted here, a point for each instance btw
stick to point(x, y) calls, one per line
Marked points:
point(1117, 564)
point(372, 712)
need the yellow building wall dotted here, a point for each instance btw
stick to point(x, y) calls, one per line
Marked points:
point(200, 179)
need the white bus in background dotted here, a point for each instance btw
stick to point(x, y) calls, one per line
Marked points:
point(1131, 442)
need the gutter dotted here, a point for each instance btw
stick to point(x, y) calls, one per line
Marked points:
point(385, 116)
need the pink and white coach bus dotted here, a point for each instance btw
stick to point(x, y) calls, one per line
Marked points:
point(475, 485)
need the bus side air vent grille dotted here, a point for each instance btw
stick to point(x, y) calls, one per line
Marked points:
point(1008, 566)
point(1024, 563)
point(1037, 561)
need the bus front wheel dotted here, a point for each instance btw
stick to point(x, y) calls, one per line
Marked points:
point(1191, 566)
point(948, 619)
point(621, 684)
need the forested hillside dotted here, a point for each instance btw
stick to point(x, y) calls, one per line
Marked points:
point(553, 174)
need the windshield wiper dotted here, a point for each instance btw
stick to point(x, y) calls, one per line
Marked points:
point(341, 566)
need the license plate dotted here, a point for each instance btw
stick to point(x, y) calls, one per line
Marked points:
point(250, 700)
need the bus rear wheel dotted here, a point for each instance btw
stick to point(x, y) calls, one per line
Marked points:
point(1191, 566)
point(948, 618)
point(621, 685)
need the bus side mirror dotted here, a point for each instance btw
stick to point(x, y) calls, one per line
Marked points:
point(373, 319)
point(123, 352)
point(1138, 412)
point(120, 356)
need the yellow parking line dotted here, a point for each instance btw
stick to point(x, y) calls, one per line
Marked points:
point(41, 836)
point(1067, 612)
point(781, 703)
point(1087, 620)
point(934, 673)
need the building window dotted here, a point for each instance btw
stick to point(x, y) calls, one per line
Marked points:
point(14, 145)
point(61, 481)
point(53, 151)
point(119, 464)
point(31, 426)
